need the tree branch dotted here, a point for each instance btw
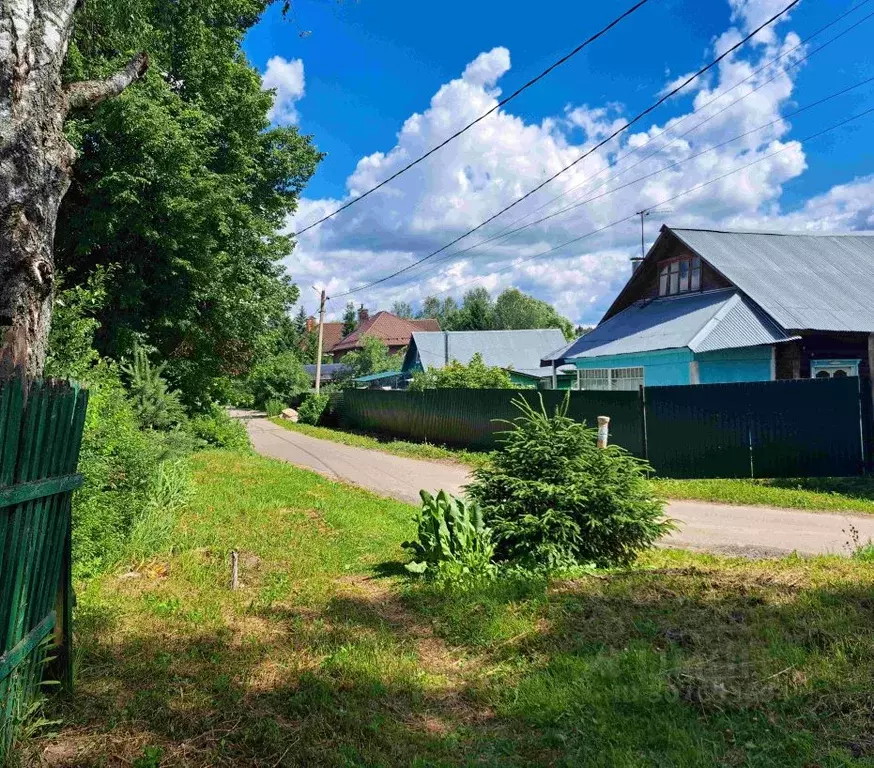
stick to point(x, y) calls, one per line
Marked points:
point(90, 93)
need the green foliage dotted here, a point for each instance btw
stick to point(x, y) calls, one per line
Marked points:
point(279, 377)
point(169, 491)
point(372, 357)
point(350, 319)
point(182, 183)
point(453, 542)
point(402, 309)
point(515, 310)
point(218, 430)
point(274, 407)
point(156, 406)
point(71, 353)
point(119, 460)
point(555, 500)
point(311, 409)
point(512, 310)
point(475, 375)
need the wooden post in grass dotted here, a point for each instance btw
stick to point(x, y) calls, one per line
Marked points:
point(603, 431)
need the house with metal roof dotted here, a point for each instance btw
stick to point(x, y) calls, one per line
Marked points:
point(715, 306)
point(519, 352)
point(392, 330)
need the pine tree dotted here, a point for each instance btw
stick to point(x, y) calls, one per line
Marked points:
point(350, 319)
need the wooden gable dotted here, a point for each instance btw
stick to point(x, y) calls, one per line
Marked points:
point(644, 283)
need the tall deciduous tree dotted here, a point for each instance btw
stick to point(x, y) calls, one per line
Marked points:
point(185, 185)
point(36, 162)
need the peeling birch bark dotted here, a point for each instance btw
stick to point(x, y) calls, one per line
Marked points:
point(35, 166)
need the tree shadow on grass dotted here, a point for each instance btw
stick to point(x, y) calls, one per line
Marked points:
point(675, 667)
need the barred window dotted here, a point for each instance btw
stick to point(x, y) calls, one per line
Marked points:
point(610, 379)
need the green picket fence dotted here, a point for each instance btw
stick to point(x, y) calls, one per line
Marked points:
point(41, 426)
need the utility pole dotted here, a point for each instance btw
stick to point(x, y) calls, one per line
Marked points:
point(321, 337)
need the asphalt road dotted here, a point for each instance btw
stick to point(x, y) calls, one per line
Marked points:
point(718, 528)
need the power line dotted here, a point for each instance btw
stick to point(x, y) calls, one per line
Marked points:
point(509, 231)
point(483, 116)
point(667, 200)
point(685, 160)
point(635, 119)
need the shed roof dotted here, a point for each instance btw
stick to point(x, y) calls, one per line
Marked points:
point(803, 281)
point(701, 322)
point(519, 350)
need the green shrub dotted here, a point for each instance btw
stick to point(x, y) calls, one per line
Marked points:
point(156, 406)
point(475, 375)
point(280, 377)
point(453, 543)
point(119, 461)
point(554, 499)
point(274, 407)
point(311, 409)
point(218, 430)
point(168, 494)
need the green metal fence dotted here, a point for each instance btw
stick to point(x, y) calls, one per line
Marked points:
point(763, 429)
point(472, 417)
point(41, 427)
point(796, 428)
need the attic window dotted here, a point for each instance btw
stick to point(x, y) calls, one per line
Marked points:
point(681, 275)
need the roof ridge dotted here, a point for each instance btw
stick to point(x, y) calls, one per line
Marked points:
point(774, 233)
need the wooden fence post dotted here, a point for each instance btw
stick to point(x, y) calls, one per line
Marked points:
point(603, 431)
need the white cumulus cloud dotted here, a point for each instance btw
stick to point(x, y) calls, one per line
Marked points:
point(505, 156)
point(286, 78)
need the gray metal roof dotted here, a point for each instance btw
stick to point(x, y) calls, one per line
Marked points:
point(517, 350)
point(804, 282)
point(702, 322)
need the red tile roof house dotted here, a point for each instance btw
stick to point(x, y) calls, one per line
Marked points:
point(394, 331)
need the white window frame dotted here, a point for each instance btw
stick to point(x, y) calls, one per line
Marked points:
point(626, 379)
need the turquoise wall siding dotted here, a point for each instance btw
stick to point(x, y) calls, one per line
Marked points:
point(662, 368)
point(726, 366)
point(670, 367)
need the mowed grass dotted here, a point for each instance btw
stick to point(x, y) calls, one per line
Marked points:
point(328, 656)
point(388, 445)
point(830, 494)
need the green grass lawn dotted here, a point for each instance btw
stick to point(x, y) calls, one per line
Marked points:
point(833, 494)
point(388, 445)
point(328, 656)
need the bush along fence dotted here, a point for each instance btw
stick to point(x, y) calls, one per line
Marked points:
point(802, 427)
point(41, 427)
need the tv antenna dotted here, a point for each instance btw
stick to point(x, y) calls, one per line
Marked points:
point(643, 214)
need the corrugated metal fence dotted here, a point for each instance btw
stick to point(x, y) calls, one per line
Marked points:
point(40, 435)
point(762, 429)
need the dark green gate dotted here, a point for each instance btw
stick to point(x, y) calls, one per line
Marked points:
point(41, 427)
point(796, 428)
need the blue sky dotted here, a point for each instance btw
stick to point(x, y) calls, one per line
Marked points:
point(368, 66)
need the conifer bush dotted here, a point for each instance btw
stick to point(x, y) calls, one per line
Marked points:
point(554, 499)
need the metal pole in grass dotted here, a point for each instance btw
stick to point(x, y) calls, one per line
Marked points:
point(603, 431)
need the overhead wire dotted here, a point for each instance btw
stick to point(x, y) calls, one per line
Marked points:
point(600, 33)
point(697, 187)
point(624, 127)
point(509, 229)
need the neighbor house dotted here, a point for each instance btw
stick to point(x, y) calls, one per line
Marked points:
point(393, 331)
point(519, 352)
point(713, 306)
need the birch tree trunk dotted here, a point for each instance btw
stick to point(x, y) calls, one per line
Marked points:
point(35, 166)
